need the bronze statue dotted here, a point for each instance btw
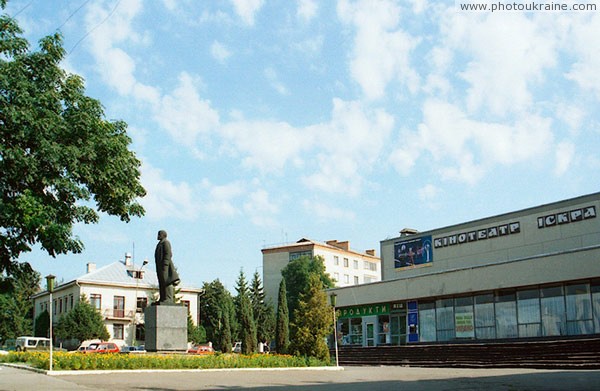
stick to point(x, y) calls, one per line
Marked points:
point(165, 270)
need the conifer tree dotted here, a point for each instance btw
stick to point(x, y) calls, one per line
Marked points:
point(282, 329)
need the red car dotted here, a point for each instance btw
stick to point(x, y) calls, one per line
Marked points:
point(201, 349)
point(103, 347)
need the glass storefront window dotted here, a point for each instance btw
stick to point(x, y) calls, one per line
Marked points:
point(485, 319)
point(595, 288)
point(356, 331)
point(552, 308)
point(463, 317)
point(528, 313)
point(506, 315)
point(579, 309)
point(383, 330)
point(444, 317)
point(427, 329)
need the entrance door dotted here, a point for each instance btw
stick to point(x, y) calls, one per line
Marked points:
point(369, 328)
point(398, 329)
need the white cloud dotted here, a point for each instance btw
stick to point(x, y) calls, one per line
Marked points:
point(327, 212)
point(220, 198)
point(565, 152)
point(351, 143)
point(165, 198)
point(428, 192)
point(382, 50)
point(307, 9)
point(274, 81)
point(507, 53)
point(219, 52)
point(261, 209)
point(465, 149)
point(247, 9)
point(184, 114)
point(584, 71)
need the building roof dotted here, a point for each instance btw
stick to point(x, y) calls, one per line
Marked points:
point(119, 274)
point(330, 244)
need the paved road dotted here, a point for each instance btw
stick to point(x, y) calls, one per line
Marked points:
point(348, 379)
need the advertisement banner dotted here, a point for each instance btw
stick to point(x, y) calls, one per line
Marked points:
point(464, 326)
point(413, 252)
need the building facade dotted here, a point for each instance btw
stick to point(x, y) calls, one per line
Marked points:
point(119, 291)
point(533, 273)
point(344, 265)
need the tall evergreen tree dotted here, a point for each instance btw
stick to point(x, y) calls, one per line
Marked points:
point(217, 310)
point(313, 322)
point(82, 322)
point(245, 316)
point(16, 307)
point(195, 333)
point(264, 315)
point(42, 325)
point(282, 325)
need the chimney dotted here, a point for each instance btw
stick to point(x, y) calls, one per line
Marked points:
point(91, 267)
point(370, 252)
point(408, 231)
point(127, 259)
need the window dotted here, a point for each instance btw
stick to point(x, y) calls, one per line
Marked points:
point(595, 288)
point(118, 331)
point(299, 254)
point(369, 279)
point(485, 320)
point(60, 305)
point(355, 264)
point(186, 303)
point(579, 309)
point(506, 315)
point(119, 306)
point(346, 279)
point(345, 262)
point(370, 266)
point(71, 301)
point(336, 260)
point(552, 308)
point(54, 310)
point(140, 332)
point(336, 276)
point(96, 301)
point(528, 313)
point(444, 316)
point(427, 329)
point(142, 302)
point(463, 317)
point(356, 282)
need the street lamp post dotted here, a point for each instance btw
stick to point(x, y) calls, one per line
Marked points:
point(50, 286)
point(137, 279)
point(333, 300)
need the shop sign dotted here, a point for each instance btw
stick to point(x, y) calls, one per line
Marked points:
point(566, 217)
point(364, 310)
point(480, 234)
point(463, 325)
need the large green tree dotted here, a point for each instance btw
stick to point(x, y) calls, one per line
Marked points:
point(245, 315)
point(83, 322)
point(16, 306)
point(58, 153)
point(264, 315)
point(313, 322)
point(217, 311)
point(297, 275)
point(282, 324)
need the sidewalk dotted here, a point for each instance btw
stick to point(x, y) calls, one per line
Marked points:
point(349, 379)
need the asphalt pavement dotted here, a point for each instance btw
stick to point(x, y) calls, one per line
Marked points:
point(319, 379)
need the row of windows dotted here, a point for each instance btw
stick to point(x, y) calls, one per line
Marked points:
point(60, 305)
point(570, 309)
point(367, 265)
point(355, 279)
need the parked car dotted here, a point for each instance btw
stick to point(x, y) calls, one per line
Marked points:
point(201, 349)
point(133, 349)
point(103, 347)
point(237, 347)
point(24, 344)
point(85, 345)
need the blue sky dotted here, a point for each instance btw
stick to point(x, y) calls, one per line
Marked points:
point(262, 122)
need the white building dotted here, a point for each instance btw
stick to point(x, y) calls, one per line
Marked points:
point(344, 265)
point(119, 291)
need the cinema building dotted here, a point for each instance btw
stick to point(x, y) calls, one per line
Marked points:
point(528, 274)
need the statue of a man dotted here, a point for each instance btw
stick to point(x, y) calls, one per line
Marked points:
point(165, 270)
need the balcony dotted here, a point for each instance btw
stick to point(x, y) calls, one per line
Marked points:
point(118, 314)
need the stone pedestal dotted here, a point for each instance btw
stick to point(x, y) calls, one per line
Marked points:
point(166, 328)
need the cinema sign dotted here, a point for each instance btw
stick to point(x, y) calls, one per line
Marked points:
point(571, 216)
point(480, 234)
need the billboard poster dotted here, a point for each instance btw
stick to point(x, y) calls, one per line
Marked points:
point(413, 252)
point(464, 325)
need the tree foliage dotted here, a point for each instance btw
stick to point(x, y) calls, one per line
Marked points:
point(57, 152)
point(282, 324)
point(83, 322)
point(16, 307)
point(297, 276)
point(264, 315)
point(245, 316)
point(195, 333)
point(41, 326)
point(216, 311)
point(313, 322)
